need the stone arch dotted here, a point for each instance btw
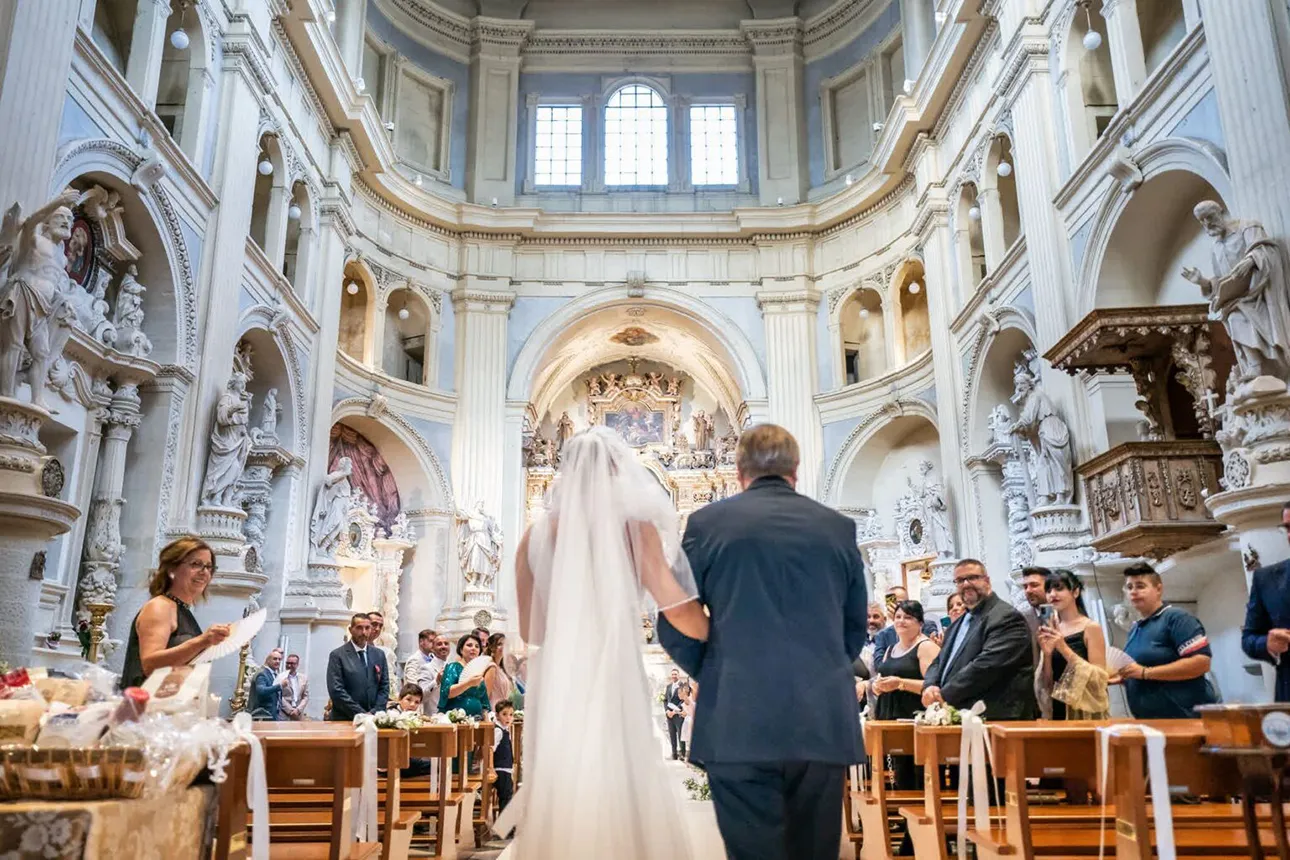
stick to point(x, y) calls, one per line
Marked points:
point(860, 437)
point(862, 325)
point(907, 296)
point(263, 327)
point(1085, 82)
point(423, 482)
point(187, 79)
point(994, 325)
point(402, 357)
point(999, 191)
point(358, 312)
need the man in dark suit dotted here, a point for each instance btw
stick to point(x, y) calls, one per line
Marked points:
point(357, 676)
point(986, 656)
point(777, 728)
point(1266, 632)
point(672, 707)
point(266, 692)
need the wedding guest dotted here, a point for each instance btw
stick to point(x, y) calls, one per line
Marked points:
point(499, 682)
point(1169, 651)
point(356, 674)
point(391, 661)
point(266, 689)
point(887, 637)
point(503, 753)
point(689, 696)
point(295, 696)
point(471, 695)
point(425, 667)
point(410, 703)
point(986, 656)
point(898, 682)
point(954, 607)
point(674, 709)
point(1072, 670)
point(1266, 632)
point(165, 632)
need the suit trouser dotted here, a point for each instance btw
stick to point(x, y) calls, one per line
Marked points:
point(674, 725)
point(779, 811)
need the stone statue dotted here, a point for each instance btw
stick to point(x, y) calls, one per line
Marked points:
point(938, 518)
point(331, 510)
point(230, 445)
point(1049, 438)
point(564, 430)
point(703, 430)
point(1250, 292)
point(1000, 426)
point(35, 311)
point(128, 317)
point(479, 547)
point(270, 412)
point(91, 308)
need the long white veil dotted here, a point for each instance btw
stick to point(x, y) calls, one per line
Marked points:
point(595, 784)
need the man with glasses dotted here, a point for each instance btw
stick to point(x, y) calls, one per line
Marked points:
point(986, 656)
point(1266, 632)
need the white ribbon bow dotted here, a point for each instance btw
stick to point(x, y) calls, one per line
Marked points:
point(974, 751)
point(365, 829)
point(1158, 780)
point(257, 788)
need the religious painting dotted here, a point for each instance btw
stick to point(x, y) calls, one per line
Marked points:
point(634, 336)
point(637, 425)
point(371, 473)
point(79, 249)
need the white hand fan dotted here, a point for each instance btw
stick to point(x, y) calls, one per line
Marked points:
point(1116, 659)
point(242, 632)
point(475, 669)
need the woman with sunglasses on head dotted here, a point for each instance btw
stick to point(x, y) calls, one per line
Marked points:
point(1072, 670)
point(165, 632)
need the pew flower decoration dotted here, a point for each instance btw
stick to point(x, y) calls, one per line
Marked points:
point(939, 714)
point(392, 719)
point(459, 715)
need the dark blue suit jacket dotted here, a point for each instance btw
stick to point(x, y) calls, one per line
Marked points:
point(353, 689)
point(1269, 607)
point(784, 583)
point(266, 696)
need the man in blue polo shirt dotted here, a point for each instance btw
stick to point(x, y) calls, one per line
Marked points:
point(1170, 653)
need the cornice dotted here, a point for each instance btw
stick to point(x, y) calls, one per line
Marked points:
point(774, 37)
point(674, 42)
point(836, 26)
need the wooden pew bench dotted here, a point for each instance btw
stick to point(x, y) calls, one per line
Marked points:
point(876, 803)
point(433, 796)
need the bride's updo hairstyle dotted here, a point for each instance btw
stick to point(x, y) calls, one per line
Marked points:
point(767, 450)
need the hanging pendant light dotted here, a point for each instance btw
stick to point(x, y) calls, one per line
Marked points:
point(293, 212)
point(265, 166)
point(974, 213)
point(179, 39)
point(1092, 38)
point(1004, 169)
point(864, 313)
point(352, 288)
point(404, 313)
point(914, 288)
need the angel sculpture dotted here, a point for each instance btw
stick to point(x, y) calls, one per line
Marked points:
point(36, 314)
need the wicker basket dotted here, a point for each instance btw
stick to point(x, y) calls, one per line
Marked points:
point(42, 773)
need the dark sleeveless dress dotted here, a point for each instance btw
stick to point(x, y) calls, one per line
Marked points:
point(1080, 647)
point(900, 705)
point(186, 627)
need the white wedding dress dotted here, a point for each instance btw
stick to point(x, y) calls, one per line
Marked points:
point(595, 781)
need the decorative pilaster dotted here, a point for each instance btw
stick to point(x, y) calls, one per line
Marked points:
point(782, 166)
point(1249, 64)
point(793, 375)
point(147, 43)
point(478, 434)
point(1128, 58)
point(389, 569)
point(266, 459)
point(494, 108)
point(918, 32)
point(992, 228)
point(351, 24)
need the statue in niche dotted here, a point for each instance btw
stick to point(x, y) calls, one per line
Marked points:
point(270, 412)
point(331, 510)
point(938, 517)
point(36, 314)
point(128, 318)
point(1049, 438)
point(479, 547)
point(1250, 292)
point(230, 444)
point(1000, 426)
point(92, 308)
point(371, 474)
point(564, 430)
point(703, 430)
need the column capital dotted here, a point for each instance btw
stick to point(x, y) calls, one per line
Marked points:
point(498, 38)
point(478, 297)
point(777, 37)
point(797, 300)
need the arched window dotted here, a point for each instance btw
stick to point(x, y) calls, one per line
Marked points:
point(635, 137)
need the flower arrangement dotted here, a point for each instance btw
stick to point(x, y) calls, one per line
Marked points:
point(939, 714)
point(392, 719)
point(698, 787)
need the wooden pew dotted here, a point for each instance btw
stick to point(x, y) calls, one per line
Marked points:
point(433, 796)
point(933, 746)
point(876, 803)
point(475, 817)
point(317, 760)
point(231, 817)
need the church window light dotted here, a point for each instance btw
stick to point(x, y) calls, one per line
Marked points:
point(558, 149)
point(714, 145)
point(636, 137)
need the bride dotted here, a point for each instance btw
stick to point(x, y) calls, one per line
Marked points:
point(595, 781)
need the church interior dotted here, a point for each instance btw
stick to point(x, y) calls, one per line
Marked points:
point(344, 276)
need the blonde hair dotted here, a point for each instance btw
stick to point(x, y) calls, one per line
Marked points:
point(767, 449)
point(171, 556)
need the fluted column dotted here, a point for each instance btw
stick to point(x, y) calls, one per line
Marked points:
point(1249, 65)
point(782, 162)
point(918, 32)
point(478, 434)
point(494, 106)
point(35, 60)
point(148, 41)
point(1128, 58)
point(351, 24)
point(793, 375)
point(992, 228)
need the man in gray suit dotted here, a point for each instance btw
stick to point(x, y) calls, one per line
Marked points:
point(266, 691)
point(357, 675)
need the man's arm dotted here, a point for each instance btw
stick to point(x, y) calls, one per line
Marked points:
point(1003, 646)
point(340, 697)
point(261, 688)
point(304, 696)
point(1254, 632)
point(687, 653)
point(856, 613)
point(932, 677)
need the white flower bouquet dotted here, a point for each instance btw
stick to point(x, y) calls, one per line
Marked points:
point(392, 719)
point(939, 714)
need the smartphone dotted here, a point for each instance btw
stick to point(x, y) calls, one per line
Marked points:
point(891, 603)
point(1045, 613)
point(946, 622)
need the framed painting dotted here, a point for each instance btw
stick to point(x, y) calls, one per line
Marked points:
point(637, 425)
point(79, 249)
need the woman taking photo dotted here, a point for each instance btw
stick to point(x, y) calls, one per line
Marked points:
point(898, 681)
point(165, 632)
point(470, 695)
point(1072, 671)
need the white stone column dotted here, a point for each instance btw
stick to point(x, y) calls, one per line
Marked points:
point(1249, 65)
point(351, 25)
point(478, 435)
point(275, 228)
point(494, 109)
point(148, 41)
point(918, 32)
point(792, 374)
point(992, 228)
point(1128, 58)
point(35, 59)
point(783, 168)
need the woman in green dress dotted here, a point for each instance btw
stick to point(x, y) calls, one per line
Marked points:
point(472, 695)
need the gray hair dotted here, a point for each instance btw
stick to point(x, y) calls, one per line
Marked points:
point(1208, 208)
point(767, 449)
